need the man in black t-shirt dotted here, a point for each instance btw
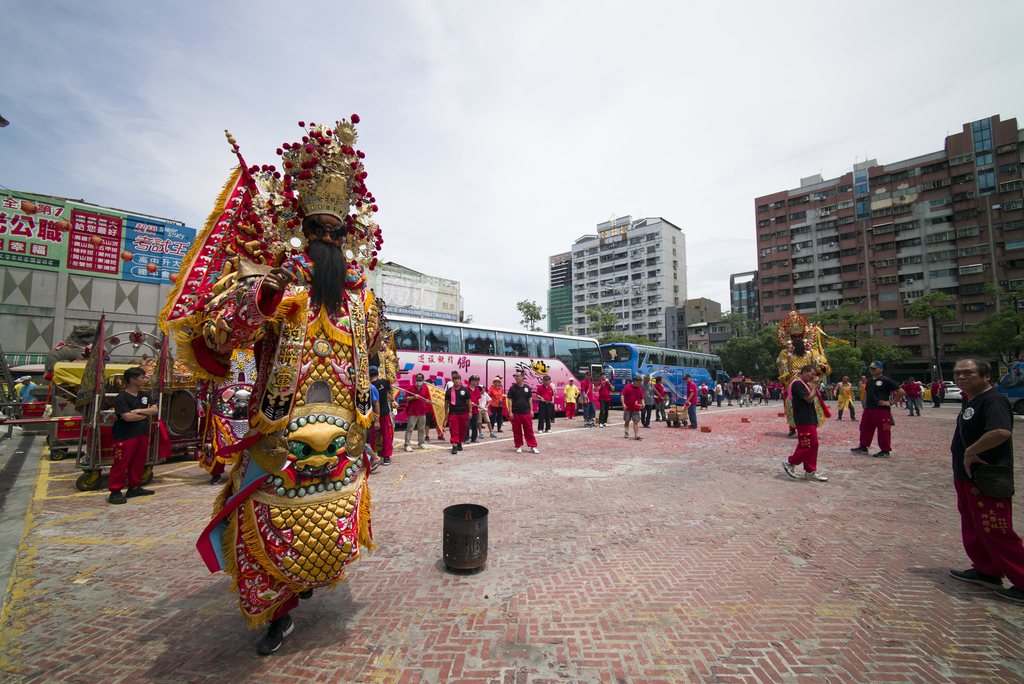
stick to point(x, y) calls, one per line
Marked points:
point(131, 438)
point(984, 435)
point(521, 397)
point(803, 392)
point(457, 400)
point(877, 413)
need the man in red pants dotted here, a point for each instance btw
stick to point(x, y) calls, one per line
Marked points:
point(131, 438)
point(520, 395)
point(877, 413)
point(984, 437)
point(458, 400)
point(803, 394)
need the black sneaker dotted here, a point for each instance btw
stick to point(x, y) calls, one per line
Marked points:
point(276, 633)
point(386, 461)
point(455, 450)
point(974, 577)
point(860, 450)
point(1012, 594)
point(117, 498)
point(138, 491)
point(882, 454)
point(459, 445)
point(305, 594)
point(215, 479)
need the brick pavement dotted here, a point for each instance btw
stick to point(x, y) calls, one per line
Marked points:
point(687, 557)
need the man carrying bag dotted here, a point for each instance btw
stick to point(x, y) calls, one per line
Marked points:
point(982, 451)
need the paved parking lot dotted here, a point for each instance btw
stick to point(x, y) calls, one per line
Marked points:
point(685, 557)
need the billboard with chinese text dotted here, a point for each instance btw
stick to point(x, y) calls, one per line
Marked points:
point(155, 242)
point(32, 240)
point(95, 242)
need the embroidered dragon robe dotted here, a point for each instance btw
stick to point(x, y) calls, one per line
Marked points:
point(789, 364)
point(296, 507)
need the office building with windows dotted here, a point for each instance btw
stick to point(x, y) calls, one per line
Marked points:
point(882, 235)
point(560, 293)
point(636, 268)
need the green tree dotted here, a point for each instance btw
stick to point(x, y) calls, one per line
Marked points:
point(874, 349)
point(604, 321)
point(618, 337)
point(932, 308)
point(845, 359)
point(754, 356)
point(1000, 334)
point(531, 312)
point(845, 322)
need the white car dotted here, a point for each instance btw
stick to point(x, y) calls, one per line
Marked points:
point(952, 391)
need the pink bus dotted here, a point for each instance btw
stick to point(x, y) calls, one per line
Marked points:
point(437, 347)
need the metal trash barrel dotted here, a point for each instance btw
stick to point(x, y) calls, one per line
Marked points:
point(464, 546)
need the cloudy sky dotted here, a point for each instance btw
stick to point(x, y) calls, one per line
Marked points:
point(497, 133)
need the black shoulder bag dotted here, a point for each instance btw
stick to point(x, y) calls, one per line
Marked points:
point(994, 481)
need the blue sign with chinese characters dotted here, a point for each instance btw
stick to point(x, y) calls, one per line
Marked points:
point(157, 248)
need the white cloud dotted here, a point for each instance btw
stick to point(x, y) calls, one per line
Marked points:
point(497, 133)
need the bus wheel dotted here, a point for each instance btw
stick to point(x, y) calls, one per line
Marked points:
point(147, 475)
point(1018, 407)
point(89, 481)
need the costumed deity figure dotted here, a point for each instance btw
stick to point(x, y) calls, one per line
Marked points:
point(279, 269)
point(801, 345)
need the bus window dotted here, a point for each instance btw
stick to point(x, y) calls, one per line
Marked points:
point(441, 338)
point(671, 358)
point(542, 347)
point(407, 336)
point(588, 354)
point(617, 352)
point(567, 351)
point(479, 341)
point(688, 360)
point(655, 357)
point(511, 344)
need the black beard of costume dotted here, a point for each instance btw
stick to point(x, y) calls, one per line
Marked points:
point(327, 282)
point(798, 347)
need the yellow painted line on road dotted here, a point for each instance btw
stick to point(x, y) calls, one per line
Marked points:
point(61, 521)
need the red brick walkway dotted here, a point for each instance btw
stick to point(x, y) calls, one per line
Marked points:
point(686, 557)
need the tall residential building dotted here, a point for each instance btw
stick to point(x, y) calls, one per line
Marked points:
point(638, 270)
point(743, 295)
point(560, 292)
point(882, 235)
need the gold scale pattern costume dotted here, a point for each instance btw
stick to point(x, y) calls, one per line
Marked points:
point(789, 362)
point(296, 508)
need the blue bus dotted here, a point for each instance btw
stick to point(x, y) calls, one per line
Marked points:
point(1011, 386)
point(622, 361)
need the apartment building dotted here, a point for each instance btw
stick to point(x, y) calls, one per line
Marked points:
point(638, 269)
point(743, 294)
point(882, 235)
point(560, 293)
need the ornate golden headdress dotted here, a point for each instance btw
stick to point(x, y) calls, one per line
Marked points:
point(794, 324)
point(258, 217)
